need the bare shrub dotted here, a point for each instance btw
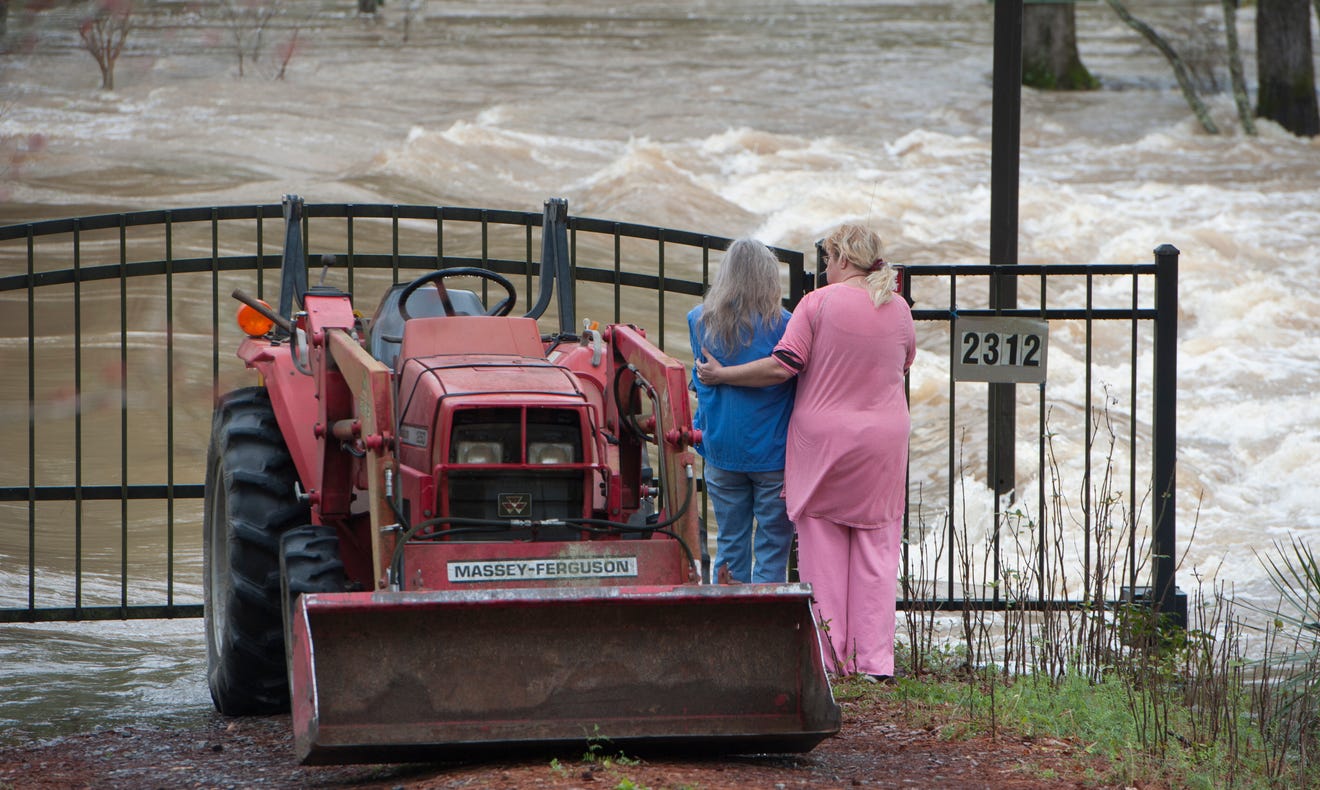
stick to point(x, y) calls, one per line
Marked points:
point(247, 21)
point(103, 33)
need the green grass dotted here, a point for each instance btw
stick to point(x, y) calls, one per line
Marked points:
point(1099, 718)
point(1162, 705)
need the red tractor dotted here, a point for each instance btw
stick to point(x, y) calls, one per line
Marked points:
point(437, 532)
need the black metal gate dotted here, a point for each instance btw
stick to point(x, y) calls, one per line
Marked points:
point(116, 322)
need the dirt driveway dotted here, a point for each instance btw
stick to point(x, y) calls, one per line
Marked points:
point(879, 746)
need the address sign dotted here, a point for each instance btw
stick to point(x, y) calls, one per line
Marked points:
point(1000, 350)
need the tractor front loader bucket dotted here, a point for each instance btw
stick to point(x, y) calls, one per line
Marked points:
point(402, 676)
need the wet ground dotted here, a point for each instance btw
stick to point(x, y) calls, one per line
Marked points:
point(885, 742)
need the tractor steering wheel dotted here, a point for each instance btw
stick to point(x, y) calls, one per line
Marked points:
point(504, 307)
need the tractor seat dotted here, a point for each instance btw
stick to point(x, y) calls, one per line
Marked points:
point(386, 331)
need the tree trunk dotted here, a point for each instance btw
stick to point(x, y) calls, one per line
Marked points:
point(1284, 67)
point(1049, 49)
point(1235, 67)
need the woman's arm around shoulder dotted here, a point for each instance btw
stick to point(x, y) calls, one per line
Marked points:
point(762, 372)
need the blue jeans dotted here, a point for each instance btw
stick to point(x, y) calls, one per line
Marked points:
point(738, 497)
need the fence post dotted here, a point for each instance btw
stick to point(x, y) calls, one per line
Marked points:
point(1171, 601)
point(1005, 156)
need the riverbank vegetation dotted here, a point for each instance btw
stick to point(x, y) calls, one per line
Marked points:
point(1230, 700)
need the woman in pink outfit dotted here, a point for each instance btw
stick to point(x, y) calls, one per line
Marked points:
point(850, 344)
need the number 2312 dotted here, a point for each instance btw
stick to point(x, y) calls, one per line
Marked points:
point(993, 348)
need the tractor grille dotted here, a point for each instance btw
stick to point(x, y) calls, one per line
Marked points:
point(503, 495)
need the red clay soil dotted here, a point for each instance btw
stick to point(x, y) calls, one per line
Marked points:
point(880, 745)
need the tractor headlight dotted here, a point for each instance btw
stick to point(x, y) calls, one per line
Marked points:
point(480, 452)
point(550, 453)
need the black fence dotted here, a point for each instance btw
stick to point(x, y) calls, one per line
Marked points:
point(120, 326)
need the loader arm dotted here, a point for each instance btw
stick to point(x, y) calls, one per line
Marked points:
point(369, 380)
point(665, 378)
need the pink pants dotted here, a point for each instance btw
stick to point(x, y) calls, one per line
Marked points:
point(854, 580)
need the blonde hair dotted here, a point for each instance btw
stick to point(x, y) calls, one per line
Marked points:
point(860, 247)
point(744, 296)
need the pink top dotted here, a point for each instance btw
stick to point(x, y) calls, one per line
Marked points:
point(848, 436)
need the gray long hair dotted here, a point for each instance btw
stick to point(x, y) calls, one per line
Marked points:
point(744, 296)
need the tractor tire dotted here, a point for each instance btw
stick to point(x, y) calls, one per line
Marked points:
point(309, 563)
point(251, 502)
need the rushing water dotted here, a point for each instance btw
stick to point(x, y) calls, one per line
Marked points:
point(736, 117)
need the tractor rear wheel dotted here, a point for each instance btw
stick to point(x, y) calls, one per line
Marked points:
point(309, 563)
point(251, 502)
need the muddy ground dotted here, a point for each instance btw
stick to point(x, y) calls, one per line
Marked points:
point(882, 744)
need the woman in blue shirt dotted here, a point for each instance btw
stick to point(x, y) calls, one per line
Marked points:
point(743, 429)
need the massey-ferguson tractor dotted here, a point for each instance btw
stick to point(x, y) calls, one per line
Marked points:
point(437, 533)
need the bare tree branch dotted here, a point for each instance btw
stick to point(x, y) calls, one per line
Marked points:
point(286, 53)
point(247, 21)
point(103, 34)
point(1179, 67)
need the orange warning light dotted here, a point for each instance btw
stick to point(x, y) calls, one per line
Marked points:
point(252, 323)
